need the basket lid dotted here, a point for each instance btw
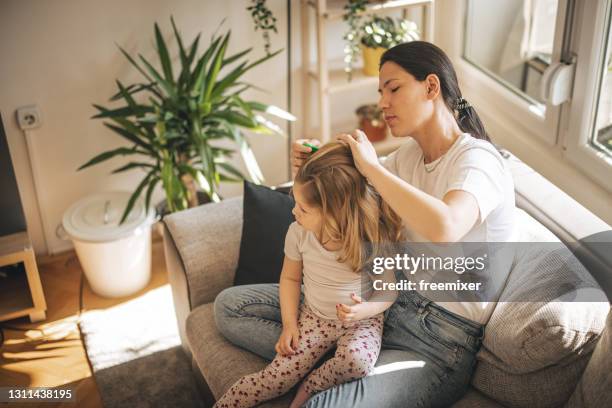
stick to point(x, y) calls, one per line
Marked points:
point(95, 218)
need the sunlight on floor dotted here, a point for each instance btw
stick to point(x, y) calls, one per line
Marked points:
point(51, 353)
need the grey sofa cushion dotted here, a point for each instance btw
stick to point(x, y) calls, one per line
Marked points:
point(595, 386)
point(220, 362)
point(534, 353)
point(207, 239)
point(548, 387)
point(474, 399)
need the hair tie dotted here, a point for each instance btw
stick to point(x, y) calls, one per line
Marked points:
point(461, 104)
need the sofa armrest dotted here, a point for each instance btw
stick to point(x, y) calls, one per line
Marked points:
point(207, 242)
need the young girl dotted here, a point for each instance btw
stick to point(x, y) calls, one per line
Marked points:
point(337, 214)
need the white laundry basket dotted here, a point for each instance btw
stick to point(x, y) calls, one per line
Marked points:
point(116, 258)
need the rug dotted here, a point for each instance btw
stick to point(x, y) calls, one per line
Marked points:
point(135, 353)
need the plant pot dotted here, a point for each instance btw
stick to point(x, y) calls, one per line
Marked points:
point(371, 59)
point(371, 122)
point(162, 207)
point(375, 132)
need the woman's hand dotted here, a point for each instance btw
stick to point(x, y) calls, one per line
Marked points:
point(299, 153)
point(288, 341)
point(358, 311)
point(363, 151)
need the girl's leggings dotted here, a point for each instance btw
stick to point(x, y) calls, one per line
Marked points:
point(357, 347)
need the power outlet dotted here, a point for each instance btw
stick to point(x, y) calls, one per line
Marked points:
point(28, 117)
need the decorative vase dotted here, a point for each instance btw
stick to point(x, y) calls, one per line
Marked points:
point(371, 59)
point(371, 122)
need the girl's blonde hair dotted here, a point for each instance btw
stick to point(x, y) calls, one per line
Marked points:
point(352, 210)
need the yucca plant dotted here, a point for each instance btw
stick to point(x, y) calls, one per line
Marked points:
point(175, 121)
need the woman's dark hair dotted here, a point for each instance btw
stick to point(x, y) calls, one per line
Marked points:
point(421, 58)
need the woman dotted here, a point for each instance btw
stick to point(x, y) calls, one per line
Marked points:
point(448, 184)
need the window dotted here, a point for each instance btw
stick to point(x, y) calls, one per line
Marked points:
point(519, 43)
point(540, 72)
point(588, 137)
point(602, 136)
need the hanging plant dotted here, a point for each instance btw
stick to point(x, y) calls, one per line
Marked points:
point(352, 16)
point(264, 20)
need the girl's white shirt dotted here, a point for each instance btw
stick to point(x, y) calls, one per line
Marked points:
point(327, 282)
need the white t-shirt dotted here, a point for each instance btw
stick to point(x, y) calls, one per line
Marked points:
point(327, 282)
point(471, 165)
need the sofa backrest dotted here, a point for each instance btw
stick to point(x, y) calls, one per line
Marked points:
point(539, 338)
point(588, 236)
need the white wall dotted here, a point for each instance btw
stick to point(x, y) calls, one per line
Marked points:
point(61, 55)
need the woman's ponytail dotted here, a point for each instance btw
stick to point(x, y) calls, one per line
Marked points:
point(469, 121)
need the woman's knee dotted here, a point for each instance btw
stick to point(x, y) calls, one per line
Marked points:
point(258, 301)
point(226, 302)
point(226, 308)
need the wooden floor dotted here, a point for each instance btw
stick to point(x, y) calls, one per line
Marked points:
point(56, 356)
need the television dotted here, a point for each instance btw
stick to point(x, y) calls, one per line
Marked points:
point(12, 219)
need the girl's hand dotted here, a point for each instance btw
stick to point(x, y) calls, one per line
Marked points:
point(363, 151)
point(299, 153)
point(358, 311)
point(288, 341)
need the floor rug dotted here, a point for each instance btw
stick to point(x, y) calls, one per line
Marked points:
point(134, 350)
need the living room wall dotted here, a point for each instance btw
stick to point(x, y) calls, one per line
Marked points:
point(62, 56)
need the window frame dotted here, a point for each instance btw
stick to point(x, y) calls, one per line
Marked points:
point(491, 96)
point(592, 20)
point(554, 146)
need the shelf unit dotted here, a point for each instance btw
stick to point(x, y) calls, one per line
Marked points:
point(329, 76)
point(21, 292)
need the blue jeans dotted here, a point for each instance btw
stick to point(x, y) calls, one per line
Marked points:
point(427, 358)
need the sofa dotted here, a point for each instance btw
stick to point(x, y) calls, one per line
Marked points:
point(535, 354)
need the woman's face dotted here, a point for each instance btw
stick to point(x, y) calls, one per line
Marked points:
point(306, 215)
point(403, 100)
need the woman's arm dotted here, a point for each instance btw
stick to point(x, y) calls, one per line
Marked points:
point(446, 220)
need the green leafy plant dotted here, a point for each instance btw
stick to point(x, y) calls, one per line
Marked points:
point(175, 119)
point(264, 20)
point(387, 32)
point(352, 16)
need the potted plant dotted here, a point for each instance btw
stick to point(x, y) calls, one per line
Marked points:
point(378, 34)
point(353, 11)
point(371, 121)
point(264, 20)
point(175, 119)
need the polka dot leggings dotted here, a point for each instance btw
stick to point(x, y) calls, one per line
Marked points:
point(357, 348)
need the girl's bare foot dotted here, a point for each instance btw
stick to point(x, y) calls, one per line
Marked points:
point(300, 397)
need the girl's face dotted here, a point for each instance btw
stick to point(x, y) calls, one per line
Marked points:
point(307, 216)
point(404, 100)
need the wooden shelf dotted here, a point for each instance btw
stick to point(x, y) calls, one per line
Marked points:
point(14, 291)
point(335, 8)
point(383, 148)
point(338, 79)
point(21, 292)
point(14, 243)
point(327, 77)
